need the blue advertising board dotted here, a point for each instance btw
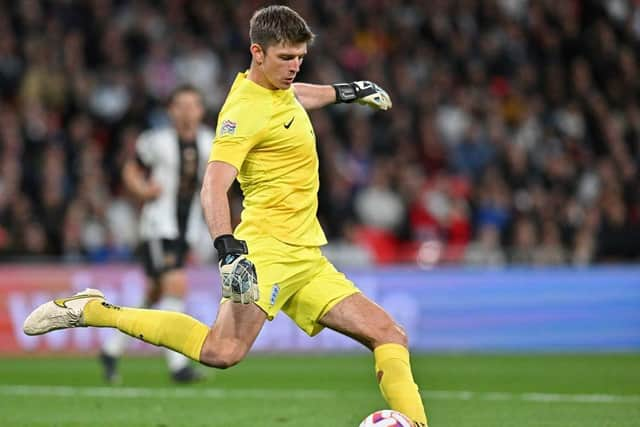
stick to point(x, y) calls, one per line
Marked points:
point(442, 310)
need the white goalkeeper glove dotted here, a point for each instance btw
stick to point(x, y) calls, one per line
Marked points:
point(363, 92)
point(238, 274)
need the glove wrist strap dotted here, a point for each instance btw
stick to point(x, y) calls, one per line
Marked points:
point(345, 92)
point(226, 244)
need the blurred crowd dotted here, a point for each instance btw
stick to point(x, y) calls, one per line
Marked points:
point(514, 136)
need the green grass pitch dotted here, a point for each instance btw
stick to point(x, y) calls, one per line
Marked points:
point(325, 390)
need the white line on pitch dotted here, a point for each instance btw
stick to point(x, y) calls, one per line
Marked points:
point(148, 392)
point(532, 397)
point(220, 393)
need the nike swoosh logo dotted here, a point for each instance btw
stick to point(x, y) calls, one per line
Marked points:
point(288, 125)
point(62, 302)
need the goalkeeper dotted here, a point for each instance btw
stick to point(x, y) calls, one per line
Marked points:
point(272, 261)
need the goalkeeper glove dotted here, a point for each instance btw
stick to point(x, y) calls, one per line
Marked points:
point(363, 92)
point(238, 274)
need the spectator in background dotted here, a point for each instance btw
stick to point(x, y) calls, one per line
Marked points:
point(471, 155)
point(377, 204)
point(550, 250)
point(523, 242)
point(486, 250)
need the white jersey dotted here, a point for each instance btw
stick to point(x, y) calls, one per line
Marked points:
point(160, 151)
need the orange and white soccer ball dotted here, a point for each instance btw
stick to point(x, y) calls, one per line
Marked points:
point(386, 418)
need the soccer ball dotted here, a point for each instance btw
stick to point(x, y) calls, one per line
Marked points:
point(386, 418)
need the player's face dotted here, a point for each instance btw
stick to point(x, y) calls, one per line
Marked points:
point(282, 63)
point(186, 111)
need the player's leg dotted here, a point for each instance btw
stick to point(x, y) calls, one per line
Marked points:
point(222, 346)
point(172, 286)
point(171, 290)
point(233, 333)
point(166, 285)
point(363, 320)
point(116, 344)
point(330, 299)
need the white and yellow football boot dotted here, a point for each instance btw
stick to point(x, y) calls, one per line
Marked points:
point(61, 313)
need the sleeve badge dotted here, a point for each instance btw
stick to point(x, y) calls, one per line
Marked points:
point(228, 127)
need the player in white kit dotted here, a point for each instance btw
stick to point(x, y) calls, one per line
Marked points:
point(166, 176)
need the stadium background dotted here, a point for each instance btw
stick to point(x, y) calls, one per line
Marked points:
point(495, 210)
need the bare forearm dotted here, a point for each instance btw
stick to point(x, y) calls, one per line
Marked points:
point(215, 201)
point(314, 96)
point(136, 183)
point(215, 204)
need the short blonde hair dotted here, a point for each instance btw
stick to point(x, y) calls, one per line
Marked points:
point(278, 24)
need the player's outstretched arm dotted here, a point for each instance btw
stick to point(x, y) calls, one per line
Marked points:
point(314, 96)
point(363, 92)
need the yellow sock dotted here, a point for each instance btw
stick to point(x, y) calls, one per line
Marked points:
point(393, 370)
point(170, 329)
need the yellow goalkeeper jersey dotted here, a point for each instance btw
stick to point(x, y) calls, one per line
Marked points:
point(268, 137)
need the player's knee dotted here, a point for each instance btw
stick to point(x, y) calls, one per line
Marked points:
point(220, 359)
point(388, 333)
point(222, 356)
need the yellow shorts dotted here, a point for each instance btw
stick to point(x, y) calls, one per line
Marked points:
point(298, 280)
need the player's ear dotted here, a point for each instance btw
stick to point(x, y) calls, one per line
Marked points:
point(257, 53)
